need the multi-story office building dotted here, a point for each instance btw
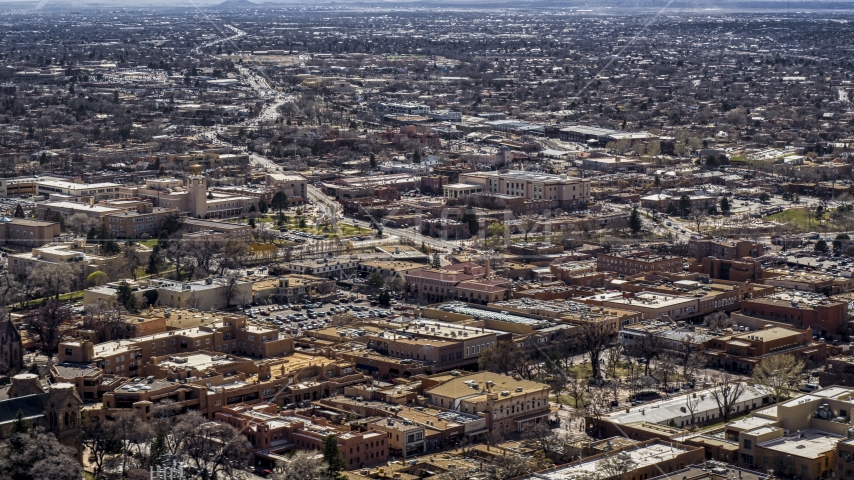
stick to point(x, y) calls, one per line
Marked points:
point(634, 262)
point(568, 193)
point(507, 404)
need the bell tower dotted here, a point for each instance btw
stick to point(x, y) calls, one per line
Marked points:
point(197, 189)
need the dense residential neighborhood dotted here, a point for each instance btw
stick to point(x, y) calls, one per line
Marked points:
point(363, 241)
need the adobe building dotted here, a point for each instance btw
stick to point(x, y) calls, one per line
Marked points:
point(740, 270)
point(822, 315)
point(637, 261)
point(741, 352)
point(28, 233)
point(723, 248)
point(273, 434)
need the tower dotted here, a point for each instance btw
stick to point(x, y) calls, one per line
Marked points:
point(197, 189)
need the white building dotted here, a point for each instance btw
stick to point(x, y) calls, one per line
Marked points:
point(98, 191)
point(407, 108)
point(565, 192)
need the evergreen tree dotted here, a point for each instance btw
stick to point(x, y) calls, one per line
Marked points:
point(373, 161)
point(158, 446)
point(470, 218)
point(126, 298)
point(684, 205)
point(332, 456)
point(19, 211)
point(252, 223)
point(635, 222)
point(436, 263)
point(279, 202)
point(20, 425)
point(725, 206)
point(262, 206)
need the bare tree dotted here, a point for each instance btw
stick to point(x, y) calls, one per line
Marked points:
point(666, 367)
point(646, 348)
point(576, 388)
point(50, 323)
point(233, 254)
point(10, 289)
point(596, 406)
point(53, 278)
point(717, 320)
point(781, 465)
point(505, 467)
point(105, 319)
point(593, 338)
point(178, 253)
point(301, 465)
point(204, 251)
point(130, 431)
point(193, 301)
point(38, 455)
point(726, 394)
point(80, 223)
point(229, 281)
point(165, 417)
point(503, 358)
point(688, 357)
point(692, 401)
point(547, 439)
point(616, 466)
point(213, 447)
point(528, 224)
point(780, 373)
point(99, 439)
point(130, 257)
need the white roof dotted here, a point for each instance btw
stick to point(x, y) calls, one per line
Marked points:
point(641, 457)
point(75, 186)
point(808, 444)
point(662, 411)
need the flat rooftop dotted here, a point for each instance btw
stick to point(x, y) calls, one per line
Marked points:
point(664, 410)
point(809, 443)
point(641, 457)
point(198, 361)
point(653, 300)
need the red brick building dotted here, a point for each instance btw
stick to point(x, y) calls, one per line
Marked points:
point(637, 261)
point(723, 248)
point(817, 312)
point(741, 270)
point(272, 434)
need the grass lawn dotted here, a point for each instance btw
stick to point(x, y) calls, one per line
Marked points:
point(344, 230)
point(585, 370)
point(802, 220)
point(69, 297)
point(150, 243)
point(567, 400)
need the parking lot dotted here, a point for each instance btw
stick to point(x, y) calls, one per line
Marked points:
point(299, 318)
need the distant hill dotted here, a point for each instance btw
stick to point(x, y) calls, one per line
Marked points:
point(230, 4)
